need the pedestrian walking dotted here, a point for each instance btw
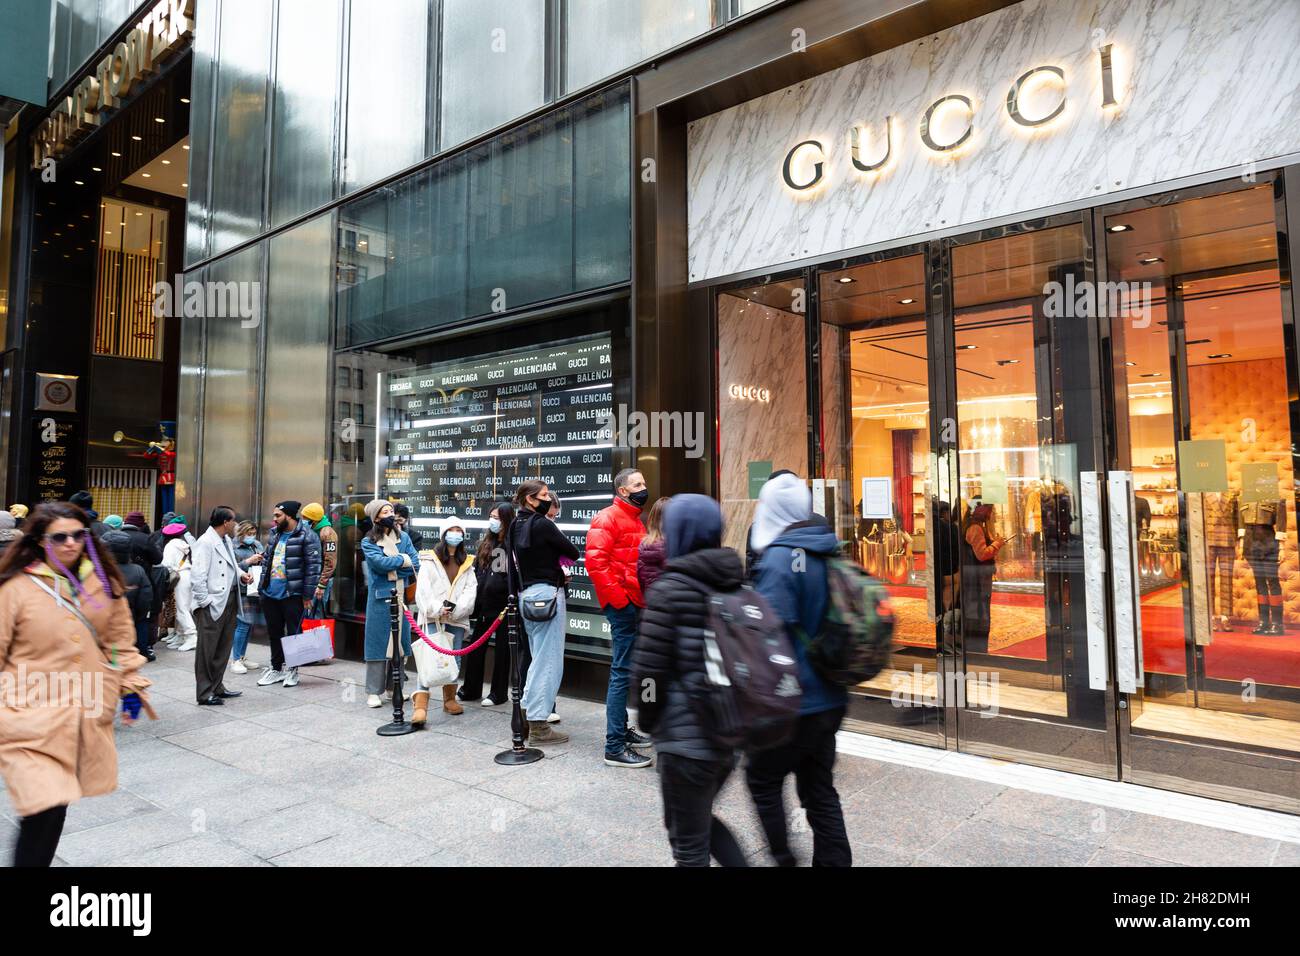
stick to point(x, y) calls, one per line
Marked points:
point(391, 563)
point(178, 559)
point(139, 589)
point(536, 546)
point(491, 592)
point(669, 664)
point(793, 545)
point(613, 547)
point(248, 552)
point(217, 583)
point(62, 615)
point(650, 557)
point(445, 592)
point(286, 585)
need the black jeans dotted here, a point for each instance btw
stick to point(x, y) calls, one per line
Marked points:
point(689, 787)
point(810, 756)
point(283, 617)
point(476, 664)
point(38, 837)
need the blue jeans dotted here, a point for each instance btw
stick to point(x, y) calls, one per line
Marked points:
point(240, 647)
point(546, 641)
point(623, 623)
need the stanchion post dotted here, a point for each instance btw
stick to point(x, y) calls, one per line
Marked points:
point(519, 752)
point(399, 725)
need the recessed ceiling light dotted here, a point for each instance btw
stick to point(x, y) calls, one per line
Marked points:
point(115, 154)
point(95, 169)
point(139, 214)
point(147, 175)
point(906, 301)
point(968, 346)
point(1130, 364)
point(186, 146)
point(1119, 228)
point(844, 280)
point(1149, 374)
point(78, 182)
point(159, 119)
point(136, 138)
point(1150, 260)
point(1221, 355)
point(185, 185)
point(107, 232)
point(167, 162)
point(185, 99)
point(1008, 361)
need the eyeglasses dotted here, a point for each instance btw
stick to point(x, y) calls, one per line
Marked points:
point(63, 537)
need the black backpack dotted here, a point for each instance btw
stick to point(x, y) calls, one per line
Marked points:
point(751, 674)
point(857, 632)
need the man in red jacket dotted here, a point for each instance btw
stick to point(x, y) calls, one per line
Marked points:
point(613, 542)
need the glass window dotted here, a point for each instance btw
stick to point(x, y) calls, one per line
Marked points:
point(306, 88)
point(386, 132)
point(602, 229)
point(230, 371)
point(202, 86)
point(132, 257)
point(606, 36)
point(493, 64)
point(84, 33)
point(297, 357)
point(745, 6)
point(238, 181)
point(762, 396)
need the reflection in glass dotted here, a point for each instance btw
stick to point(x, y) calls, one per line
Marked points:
point(493, 64)
point(302, 132)
point(606, 36)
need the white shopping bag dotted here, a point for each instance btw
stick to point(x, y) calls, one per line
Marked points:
point(308, 647)
point(435, 669)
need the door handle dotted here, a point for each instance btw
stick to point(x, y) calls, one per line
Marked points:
point(1125, 592)
point(1094, 578)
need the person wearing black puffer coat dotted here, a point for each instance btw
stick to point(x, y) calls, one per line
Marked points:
point(139, 589)
point(668, 662)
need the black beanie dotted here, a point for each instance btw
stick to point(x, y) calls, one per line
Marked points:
point(83, 500)
point(290, 508)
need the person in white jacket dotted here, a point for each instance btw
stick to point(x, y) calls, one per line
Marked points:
point(445, 592)
point(177, 560)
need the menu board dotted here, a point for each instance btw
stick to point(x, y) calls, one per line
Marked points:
point(458, 437)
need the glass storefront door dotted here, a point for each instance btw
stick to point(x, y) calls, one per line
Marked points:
point(1203, 351)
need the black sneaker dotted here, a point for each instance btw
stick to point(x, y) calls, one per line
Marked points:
point(628, 758)
point(637, 741)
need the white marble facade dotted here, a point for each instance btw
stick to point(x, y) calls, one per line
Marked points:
point(1202, 86)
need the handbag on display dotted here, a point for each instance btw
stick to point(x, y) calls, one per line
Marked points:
point(435, 669)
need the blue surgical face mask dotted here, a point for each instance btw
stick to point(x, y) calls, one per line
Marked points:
point(249, 539)
point(453, 539)
point(494, 525)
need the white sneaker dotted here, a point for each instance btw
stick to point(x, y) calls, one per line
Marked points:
point(488, 702)
point(291, 677)
point(189, 645)
point(251, 665)
point(388, 695)
point(554, 718)
point(238, 667)
point(270, 676)
point(374, 701)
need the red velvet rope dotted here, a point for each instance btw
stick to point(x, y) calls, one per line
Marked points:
point(415, 628)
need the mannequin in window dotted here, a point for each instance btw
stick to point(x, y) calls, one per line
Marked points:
point(1264, 529)
point(980, 547)
point(1222, 529)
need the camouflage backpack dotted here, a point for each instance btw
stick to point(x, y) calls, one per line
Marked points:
point(854, 642)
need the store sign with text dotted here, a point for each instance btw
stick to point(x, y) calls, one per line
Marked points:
point(152, 41)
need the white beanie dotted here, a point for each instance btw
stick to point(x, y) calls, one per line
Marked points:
point(448, 522)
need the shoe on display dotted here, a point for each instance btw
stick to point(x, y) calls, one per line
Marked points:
point(374, 701)
point(270, 676)
point(291, 677)
point(636, 741)
point(628, 758)
point(238, 667)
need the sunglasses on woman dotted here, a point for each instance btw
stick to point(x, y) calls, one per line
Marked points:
point(63, 537)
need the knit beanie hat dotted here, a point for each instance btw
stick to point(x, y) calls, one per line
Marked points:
point(290, 507)
point(135, 517)
point(113, 521)
point(373, 509)
point(447, 523)
point(312, 512)
point(83, 500)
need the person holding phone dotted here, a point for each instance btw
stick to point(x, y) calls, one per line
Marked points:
point(980, 547)
point(445, 592)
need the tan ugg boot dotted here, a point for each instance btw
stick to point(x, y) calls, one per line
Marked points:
point(421, 712)
point(449, 702)
point(540, 733)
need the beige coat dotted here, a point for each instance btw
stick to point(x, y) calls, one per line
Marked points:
point(59, 690)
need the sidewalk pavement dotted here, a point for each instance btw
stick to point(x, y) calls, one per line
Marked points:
point(298, 777)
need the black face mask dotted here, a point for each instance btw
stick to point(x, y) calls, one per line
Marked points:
point(639, 498)
point(543, 506)
point(389, 522)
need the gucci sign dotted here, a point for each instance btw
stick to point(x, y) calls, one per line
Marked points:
point(749, 393)
point(804, 164)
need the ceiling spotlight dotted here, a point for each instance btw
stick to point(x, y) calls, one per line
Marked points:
point(1130, 364)
point(185, 146)
point(159, 119)
point(147, 175)
point(116, 154)
point(166, 162)
point(78, 182)
point(906, 301)
point(1221, 355)
point(1008, 361)
point(185, 185)
point(95, 169)
point(185, 99)
point(1149, 260)
point(964, 347)
point(137, 138)
point(139, 214)
point(1119, 228)
point(844, 280)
